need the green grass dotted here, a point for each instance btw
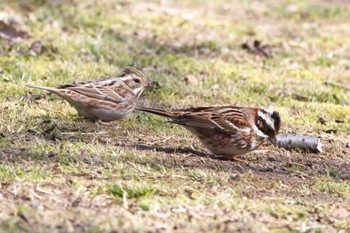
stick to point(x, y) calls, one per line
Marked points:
point(129, 192)
point(61, 173)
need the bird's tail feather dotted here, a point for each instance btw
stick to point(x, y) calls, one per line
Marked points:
point(52, 89)
point(159, 112)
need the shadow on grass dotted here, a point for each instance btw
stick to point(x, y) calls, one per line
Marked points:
point(264, 165)
point(268, 165)
point(167, 150)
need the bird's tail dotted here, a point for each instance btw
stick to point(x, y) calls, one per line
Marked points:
point(52, 89)
point(159, 112)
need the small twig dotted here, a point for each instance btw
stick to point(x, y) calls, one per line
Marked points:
point(301, 142)
point(337, 85)
point(80, 133)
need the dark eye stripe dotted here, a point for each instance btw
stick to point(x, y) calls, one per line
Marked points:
point(266, 129)
point(276, 117)
point(261, 119)
point(263, 111)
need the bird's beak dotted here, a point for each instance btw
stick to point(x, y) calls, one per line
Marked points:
point(273, 141)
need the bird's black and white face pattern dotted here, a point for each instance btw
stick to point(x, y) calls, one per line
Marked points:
point(268, 123)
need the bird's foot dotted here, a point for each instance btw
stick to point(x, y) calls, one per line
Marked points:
point(235, 159)
point(100, 122)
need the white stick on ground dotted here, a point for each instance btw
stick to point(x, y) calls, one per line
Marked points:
point(299, 142)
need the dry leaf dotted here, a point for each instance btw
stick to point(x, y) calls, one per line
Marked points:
point(10, 33)
point(258, 49)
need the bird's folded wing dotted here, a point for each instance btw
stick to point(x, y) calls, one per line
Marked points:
point(196, 119)
point(116, 94)
point(195, 122)
point(230, 122)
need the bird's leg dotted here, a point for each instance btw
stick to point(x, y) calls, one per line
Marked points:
point(235, 159)
point(100, 122)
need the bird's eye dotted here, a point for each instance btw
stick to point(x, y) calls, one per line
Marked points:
point(137, 80)
point(260, 124)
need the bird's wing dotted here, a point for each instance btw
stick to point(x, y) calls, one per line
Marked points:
point(113, 90)
point(224, 119)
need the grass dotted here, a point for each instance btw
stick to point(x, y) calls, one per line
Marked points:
point(61, 173)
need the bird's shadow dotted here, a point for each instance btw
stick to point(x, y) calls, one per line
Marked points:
point(241, 163)
point(168, 150)
point(213, 162)
point(270, 165)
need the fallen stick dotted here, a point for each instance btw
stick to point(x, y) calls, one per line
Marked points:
point(299, 142)
point(337, 85)
point(80, 133)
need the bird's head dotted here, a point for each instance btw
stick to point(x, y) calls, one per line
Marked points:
point(135, 80)
point(268, 123)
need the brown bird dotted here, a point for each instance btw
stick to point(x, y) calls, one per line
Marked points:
point(104, 100)
point(226, 131)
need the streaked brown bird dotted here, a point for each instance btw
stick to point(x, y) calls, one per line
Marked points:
point(226, 131)
point(104, 100)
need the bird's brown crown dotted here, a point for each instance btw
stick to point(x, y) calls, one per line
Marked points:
point(135, 79)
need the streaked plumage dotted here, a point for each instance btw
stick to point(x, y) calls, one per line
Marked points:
point(226, 131)
point(104, 100)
